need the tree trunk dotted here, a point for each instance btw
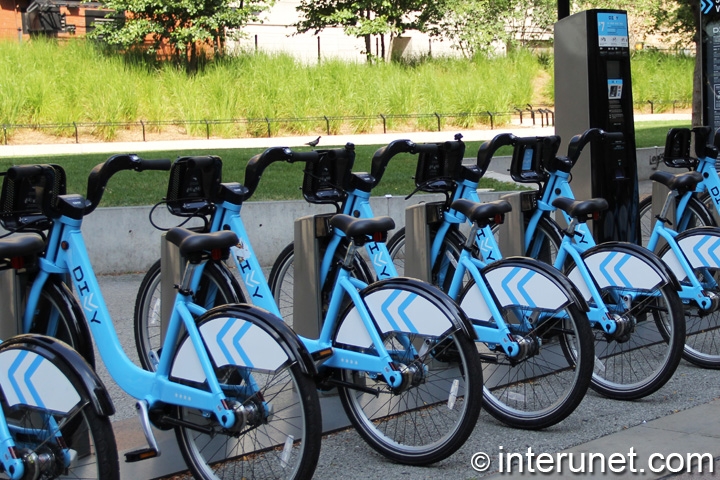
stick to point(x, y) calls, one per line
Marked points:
point(368, 47)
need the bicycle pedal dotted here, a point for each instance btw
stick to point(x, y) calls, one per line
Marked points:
point(141, 454)
point(152, 450)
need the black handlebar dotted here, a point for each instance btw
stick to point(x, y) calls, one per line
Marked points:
point(257, 164)
point(488, 149)
point(382, 157)
point(101, 174)
point(578, 142)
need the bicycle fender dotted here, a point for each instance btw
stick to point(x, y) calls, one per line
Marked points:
point(34, 370)
point(241, 335)
point(623, 264)
point(523, 281)
point(406, 305)
point(701, 247)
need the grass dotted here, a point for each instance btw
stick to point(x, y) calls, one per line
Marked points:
point(281, 181)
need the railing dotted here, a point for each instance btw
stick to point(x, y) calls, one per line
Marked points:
point(270, 126)
point(530, 114)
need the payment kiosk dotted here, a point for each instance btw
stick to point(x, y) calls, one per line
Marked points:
point(593, 89)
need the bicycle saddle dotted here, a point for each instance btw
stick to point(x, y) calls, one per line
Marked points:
point(190, 242)
point(678, 181)
point(481, 212)
point(580, 209)
point(359, 227)
point(21, 245)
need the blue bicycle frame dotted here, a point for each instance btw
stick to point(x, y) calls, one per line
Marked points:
point(67, 255)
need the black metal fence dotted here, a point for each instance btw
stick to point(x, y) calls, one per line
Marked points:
point(528, 115)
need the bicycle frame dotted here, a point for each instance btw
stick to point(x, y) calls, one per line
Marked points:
point(251, 272)
point(67, 255)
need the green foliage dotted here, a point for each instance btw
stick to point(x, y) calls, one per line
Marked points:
point(180, 25)
point(363, 18)
point(662, 78)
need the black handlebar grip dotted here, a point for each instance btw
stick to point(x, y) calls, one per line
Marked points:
point(24, 171)
point(425, 148)
point(578, 142)
point(304, 157)
point(158, 164)
point(614, 136)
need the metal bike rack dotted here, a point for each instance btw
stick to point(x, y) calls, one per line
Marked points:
point(173, 266)
point(417, 241)
point(511, 233)
point(12, 309)
point(307, 307)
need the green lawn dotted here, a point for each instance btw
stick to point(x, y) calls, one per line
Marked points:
point(281, 181)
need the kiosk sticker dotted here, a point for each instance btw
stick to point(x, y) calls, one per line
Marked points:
point(615, 89)
point(612, 30)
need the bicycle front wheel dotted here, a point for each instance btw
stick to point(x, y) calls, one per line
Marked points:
point(58, 315)
point(217, 287)
point(278, 426)
point(435, 409)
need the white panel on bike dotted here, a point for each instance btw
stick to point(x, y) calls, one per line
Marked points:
point(187, 364)
point(576, 278)
point(353, 331)
point(475, 306)
point(398, 310)
point(515, 285)
point(29, 379)
point(701, 250)
point(612, 268)
point(233, 341)
point(674, 264)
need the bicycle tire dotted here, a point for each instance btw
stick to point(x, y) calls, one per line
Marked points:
point(503, 401)
point(72, 328)
point(699, 211)
point(282, 278)
point(285, 444)
point(84, 430)
point(427, 430)
point(146, 319)
point(702, 329)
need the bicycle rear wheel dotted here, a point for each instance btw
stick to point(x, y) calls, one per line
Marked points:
point(702, 327)
point(547, 385)
point(282, 279)
point(84, 434)
point(217, 287)
point(696, 213)
point(434, 411)
point(278, 420)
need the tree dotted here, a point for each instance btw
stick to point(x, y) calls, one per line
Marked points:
point(182, 28)
point(365, 18)
point(476, 26)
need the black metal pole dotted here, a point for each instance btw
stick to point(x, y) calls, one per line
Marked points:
point(563, 9)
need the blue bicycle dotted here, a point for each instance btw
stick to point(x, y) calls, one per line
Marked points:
point(234, 382)
point(532, 334)
point(635, 311)
point(399, 352)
